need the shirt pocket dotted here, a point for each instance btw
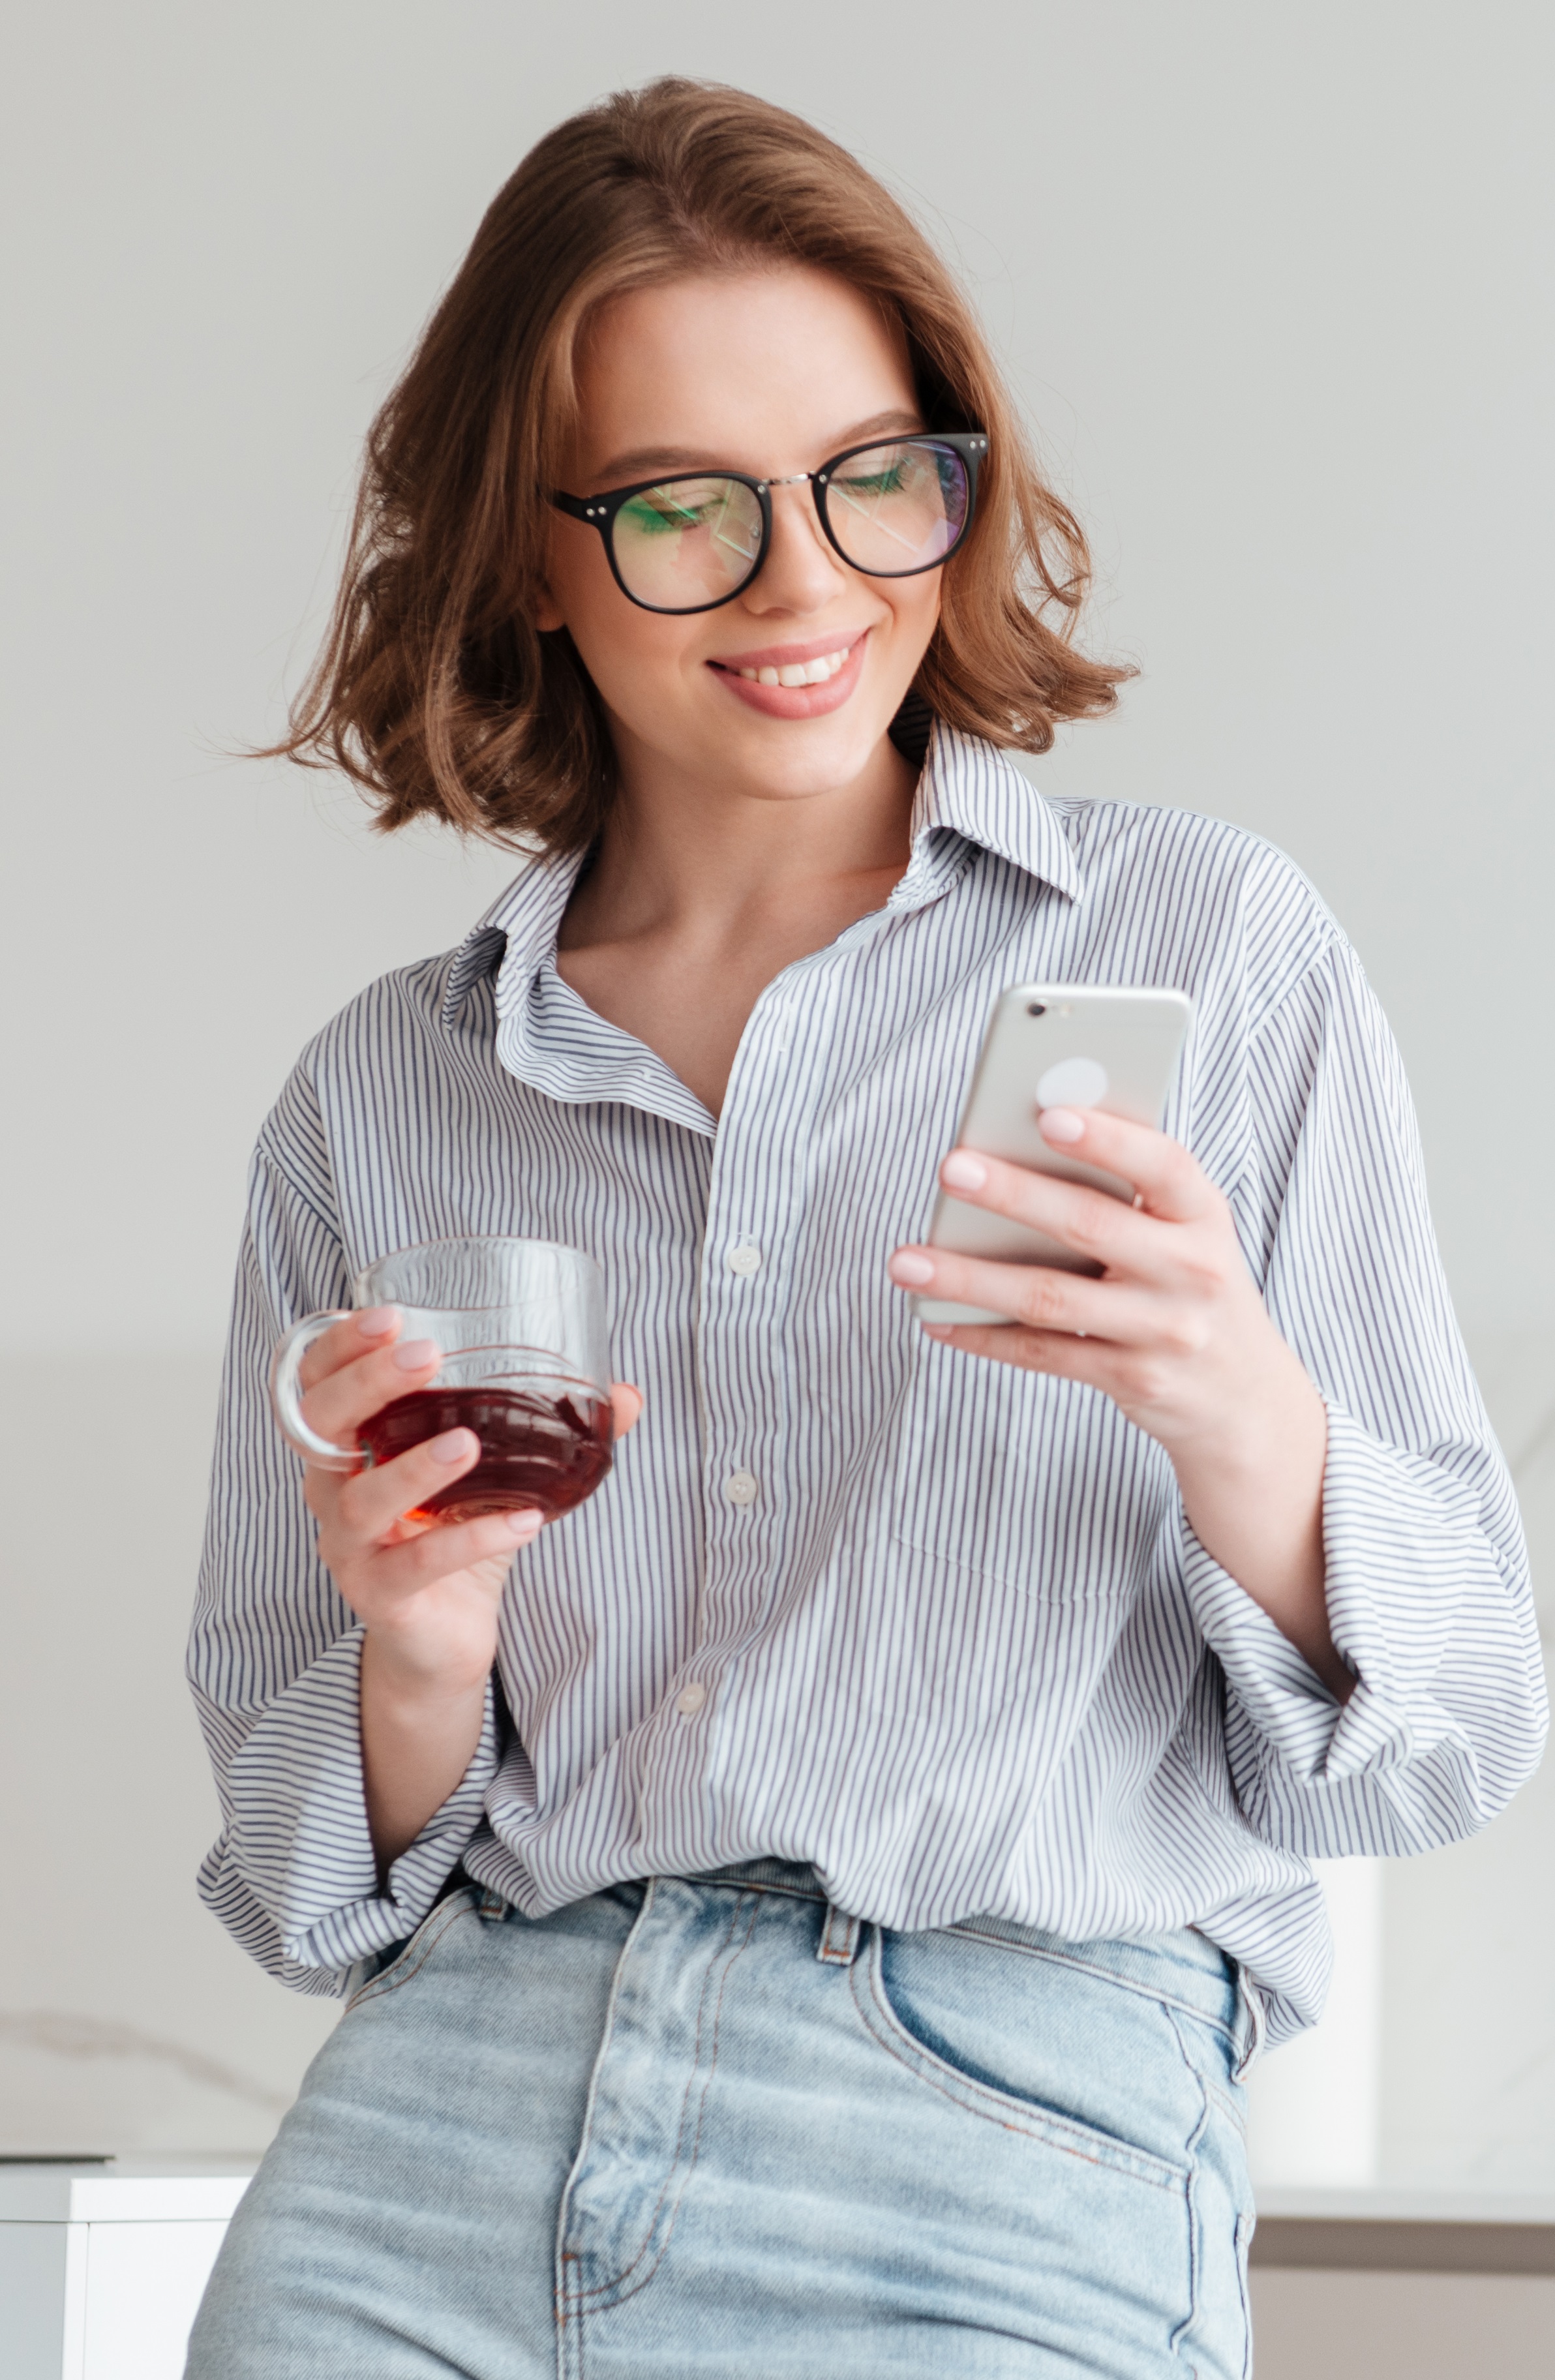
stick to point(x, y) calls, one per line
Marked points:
point(1039, 1483)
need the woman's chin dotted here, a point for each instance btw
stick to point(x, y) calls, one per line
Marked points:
point(798, 761)
point(733, 747)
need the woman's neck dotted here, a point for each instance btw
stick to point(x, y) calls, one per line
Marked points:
point(698, 897)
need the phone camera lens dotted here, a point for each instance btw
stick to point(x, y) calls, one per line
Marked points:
point(1035, 1008)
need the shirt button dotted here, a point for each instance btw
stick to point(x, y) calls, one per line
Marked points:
point(746, 1258)
point(740, 1488)
point(689, 1700)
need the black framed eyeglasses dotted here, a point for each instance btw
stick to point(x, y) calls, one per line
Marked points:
point(687, 543)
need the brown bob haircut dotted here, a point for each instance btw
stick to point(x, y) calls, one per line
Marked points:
point(433, 691)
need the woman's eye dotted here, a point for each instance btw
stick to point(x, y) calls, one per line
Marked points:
point(878, 484)
point(660, 511)
point(655, 520)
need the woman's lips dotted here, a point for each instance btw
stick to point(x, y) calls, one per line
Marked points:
point(793, 701)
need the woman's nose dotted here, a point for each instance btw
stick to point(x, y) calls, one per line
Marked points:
point(801, 573)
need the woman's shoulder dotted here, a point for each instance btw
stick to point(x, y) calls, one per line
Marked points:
point(406, 1007)
point(1116, 834)
point(388, 1044)
point(1219, 905)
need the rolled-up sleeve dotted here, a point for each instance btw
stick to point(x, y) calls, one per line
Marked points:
point(275, 1652)
point(1429, 1595)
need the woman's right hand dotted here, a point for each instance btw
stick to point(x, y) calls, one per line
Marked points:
point(429, 1593)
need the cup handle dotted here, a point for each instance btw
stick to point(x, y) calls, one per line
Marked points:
point(285, 1366)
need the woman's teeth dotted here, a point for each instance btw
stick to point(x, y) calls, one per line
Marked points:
point(814, 673)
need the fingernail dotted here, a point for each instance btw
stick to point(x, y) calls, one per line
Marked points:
point(963, 1170)
point(453, 1446)
point(524, 1524)
point(1060, 1125)
point(416, 1354)
point(377, 1321)
point(909, 1270)
point(935, 1329)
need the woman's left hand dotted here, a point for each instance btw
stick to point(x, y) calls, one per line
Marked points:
point(1174, 1331)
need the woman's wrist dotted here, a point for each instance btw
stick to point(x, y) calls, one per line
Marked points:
point(419, 1737)
point(407, 1671)
point(1265, 1436)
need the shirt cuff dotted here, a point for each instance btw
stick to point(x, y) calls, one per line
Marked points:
point(1394, 1530)
point(298, 1830)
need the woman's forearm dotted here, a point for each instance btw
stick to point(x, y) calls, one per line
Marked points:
point(1255, 1500)
point(418, 1741)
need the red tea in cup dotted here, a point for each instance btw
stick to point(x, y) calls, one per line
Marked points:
point(543, 1447)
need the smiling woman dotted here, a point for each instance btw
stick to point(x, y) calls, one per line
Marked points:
point(812, 1904)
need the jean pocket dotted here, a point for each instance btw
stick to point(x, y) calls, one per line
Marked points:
point(407, 1960)
point(1034, 2053)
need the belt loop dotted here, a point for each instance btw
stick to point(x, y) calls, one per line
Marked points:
point(487, 1902)
point(839, 1937)
point(1251, 2025)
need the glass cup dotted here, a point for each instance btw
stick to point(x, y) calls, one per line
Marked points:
point(526, 1366)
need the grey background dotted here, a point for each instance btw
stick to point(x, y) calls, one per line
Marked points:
point(1274, 288)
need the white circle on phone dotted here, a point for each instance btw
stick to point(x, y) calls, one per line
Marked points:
point(1072, 1083)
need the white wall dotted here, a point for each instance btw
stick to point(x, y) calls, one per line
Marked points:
point(1273, 283)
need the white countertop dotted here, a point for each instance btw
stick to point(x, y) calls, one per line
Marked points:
point(1392, 2205)
point(147, 2189)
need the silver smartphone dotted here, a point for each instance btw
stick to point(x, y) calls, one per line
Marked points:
point(1048, 1045)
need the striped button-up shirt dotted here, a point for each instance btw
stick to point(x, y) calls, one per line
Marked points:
point(935, 1626)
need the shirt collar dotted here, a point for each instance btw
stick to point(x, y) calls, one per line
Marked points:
point(970, 789)
point(516, 934)
point(968, 793)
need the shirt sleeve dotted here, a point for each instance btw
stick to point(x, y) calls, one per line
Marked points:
point(1429, 1595)
point(275, 1652)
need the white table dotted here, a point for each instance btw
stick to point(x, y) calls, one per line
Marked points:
point(103, 2263)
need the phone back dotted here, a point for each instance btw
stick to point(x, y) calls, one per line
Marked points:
point(1056, 1045)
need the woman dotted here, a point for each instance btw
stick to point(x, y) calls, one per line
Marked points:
point(814, 1906)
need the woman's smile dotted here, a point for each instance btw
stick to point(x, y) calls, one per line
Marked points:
point(797, 681)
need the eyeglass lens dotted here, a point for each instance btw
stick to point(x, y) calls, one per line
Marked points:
point(892, 510)
point(688, 542)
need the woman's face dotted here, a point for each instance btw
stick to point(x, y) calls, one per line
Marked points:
point(766, 372)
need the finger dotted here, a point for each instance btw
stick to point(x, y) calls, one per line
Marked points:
point(627, 1403)
point(1169, 1180)
point(372, 1500)
point(403, 1570)
point(339, 1404)
point(1043, 1297)
point(1092, 1223)
point(375, 1327)
point(1091, 1362)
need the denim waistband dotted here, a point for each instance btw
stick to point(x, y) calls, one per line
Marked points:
point(767, 1875)
point(1184, 1967)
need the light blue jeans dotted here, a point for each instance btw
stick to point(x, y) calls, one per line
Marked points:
point(711, 2126)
